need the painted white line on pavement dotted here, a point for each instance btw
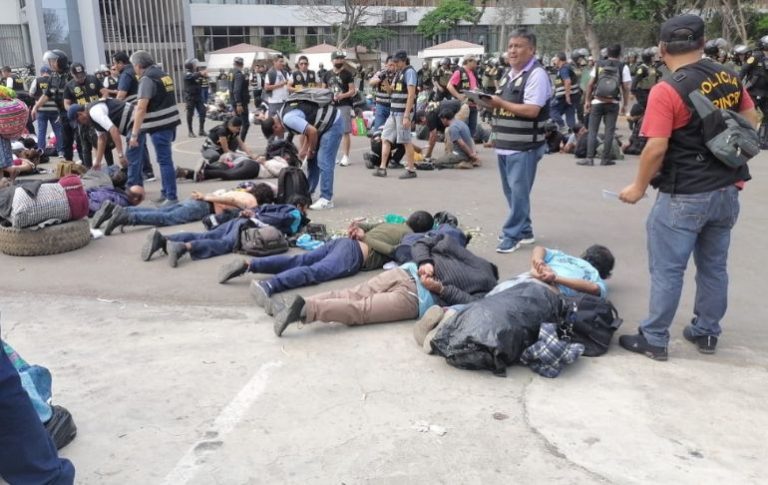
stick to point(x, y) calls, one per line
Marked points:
point(189, 464)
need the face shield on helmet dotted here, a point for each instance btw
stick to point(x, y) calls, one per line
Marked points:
point(763, 43)
point(57, 60)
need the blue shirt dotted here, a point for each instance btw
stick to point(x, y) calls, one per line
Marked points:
point(127, 81)
point(460, 130)
point(410, 77)
point(296, 120)
point(569, 266)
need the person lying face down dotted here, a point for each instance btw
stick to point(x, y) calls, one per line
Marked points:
point(570, 274)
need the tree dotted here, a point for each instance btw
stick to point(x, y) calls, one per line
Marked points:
point(509, 13)
point(346, 17)
point(284, 45)
point(370, 37)
point(447, 16)
point(54, 28)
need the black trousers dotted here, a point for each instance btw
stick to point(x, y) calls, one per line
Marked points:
point(245, 170)
point(244, 118)
point(192, 106)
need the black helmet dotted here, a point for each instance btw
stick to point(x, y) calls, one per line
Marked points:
point(762, 44)
point(59, 58)
point(711, 48)
point(646, 56)
point(456, 60)
point(740, 49)
point(190, 64)
point(445, 61)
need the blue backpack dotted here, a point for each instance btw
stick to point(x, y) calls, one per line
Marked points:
point(285, 217)
point(403, 250)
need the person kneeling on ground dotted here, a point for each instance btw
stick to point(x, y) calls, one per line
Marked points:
point(366, 248)
point(442, 267)
point(577, 141)
point(193, 209)
point(460, 148)
point(222, 239)
point(223, 139)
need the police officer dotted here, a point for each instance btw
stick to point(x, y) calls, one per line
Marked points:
point(567, 93)
point(740, 54)
point(205, 85)
point(82, 89)
point(711, 50)
point(109, 85)
point(257, 85)
point(302, 77)
point(15, 82)
point(58, 62)
point(754, 72)
point(157, 115)
point(193, 95)
point(424, 77)
point(48, 112)
point(440, 80)
point(382, 84)
point(108, 117)
point(127, 90)
point(644, 78)
point(239, 96)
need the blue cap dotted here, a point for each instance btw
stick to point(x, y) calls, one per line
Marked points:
point(45, 70)
point(72, 114)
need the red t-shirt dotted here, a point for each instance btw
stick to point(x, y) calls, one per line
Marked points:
point(666, 111)
point(456, 79)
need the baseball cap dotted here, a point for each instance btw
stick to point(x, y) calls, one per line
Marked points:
point(400, 56)
point(45, 69)
point(238, 60)
point(682, 28)
point(78, 68)
point(338, 54)
point(72, 114)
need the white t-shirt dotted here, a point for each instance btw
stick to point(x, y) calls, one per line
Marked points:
point(280, 94)
point(100, 115)
point(626, 77)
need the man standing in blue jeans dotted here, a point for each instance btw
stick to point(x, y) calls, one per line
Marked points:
point(567, 93)
point(698, 202)
point(27, 452)
point(48, 112)
point(520, 112)
point(156, 114)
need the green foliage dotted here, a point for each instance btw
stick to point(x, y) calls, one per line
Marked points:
point(369, 36)
point(284, 45)
point(446, 16)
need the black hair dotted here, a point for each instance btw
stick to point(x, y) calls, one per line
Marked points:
point(577, 127)
point(683, 46)
point(561, 56)
point(235, 121)
point(524, 34)
point(446, 113)
point(268, 127)
point(614, 51)
point(6, 69)
point(298, 200)
point(121, 56)
point(389, 58)
point(302, 58)
point(601, 258)
point(263, 193)
point(420, 115)
point(420, 221)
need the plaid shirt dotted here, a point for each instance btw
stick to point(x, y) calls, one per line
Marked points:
point(549, 354)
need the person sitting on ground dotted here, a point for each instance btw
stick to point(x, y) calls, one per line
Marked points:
point(199, 205)
point(368, 247)
point(460, 147)
point(221, 239)
point(554, 137)
point(577, 141)
point(223, 139)
point(442, 272)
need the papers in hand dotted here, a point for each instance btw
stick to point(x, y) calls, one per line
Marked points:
point(481, 99)
point(611, 195)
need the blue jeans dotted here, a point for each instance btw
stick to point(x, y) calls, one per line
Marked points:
point(188, 210)
point(222, 239)
point(162, 141)
point(677, 226)
point(43, 118)
point(333, 260)
point(320, 167)
point(560, 108)
point(518, 171)
point(27, 452)
point(380, 116)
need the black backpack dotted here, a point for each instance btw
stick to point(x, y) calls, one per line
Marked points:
point(608, 84)
point(262, 241)
point(285, 149)
point(291, 181)
point(591, 321)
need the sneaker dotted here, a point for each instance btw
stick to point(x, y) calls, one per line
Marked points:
point(321, 204)
point(587, 162)
point(706, 344)
point(158, 200)
point(344, 162)
point(637, 343)
point(61, 427)
point(508, 245)
point(232, 269)
point(191, 134)
point(606, 163)
point(103, 214)
point(202, 133)
point(199, 176)
point(150, 178)
point(525, 241)
point(289, 314)
point(408, 175)
point(368, 161)
point(175, 251)
point(426, 323)
point(380, 172)
point(261, 293)
point(154, 242)
point(119, 219)
point(167, 202)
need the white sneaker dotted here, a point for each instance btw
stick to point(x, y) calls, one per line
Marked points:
point(344, 162)
point(322, 203)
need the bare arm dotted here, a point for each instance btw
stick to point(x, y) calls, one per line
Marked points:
point(115, 134)
point(452, 89)
point(650, 163)
point(578, 284)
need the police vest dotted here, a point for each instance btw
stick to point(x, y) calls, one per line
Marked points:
point(238, 84)
point(87, 92)
point(382, 95)
point(306, 80)
point(648, 77)
point(399, 96)
point(320, 117)
point(516, 132)
point(18, 84)
point(560, 83)
point(688, 167)
point(56, 86)
point(443, 76)
point(758, 74)
point(426, 78)
point(111, 83)
point(463, 81)
point(42, 84)
point(162, 112)
point(204, 83)
point(119, 113)
point(192, 86)
point(133, 86)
